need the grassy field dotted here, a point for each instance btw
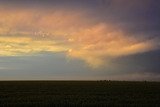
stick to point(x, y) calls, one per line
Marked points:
point(79, 93)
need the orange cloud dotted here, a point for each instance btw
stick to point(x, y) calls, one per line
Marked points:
point(101, 42)
point(15, 46)
point(77, 34)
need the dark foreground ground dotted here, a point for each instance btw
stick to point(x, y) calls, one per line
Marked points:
point(79, 93)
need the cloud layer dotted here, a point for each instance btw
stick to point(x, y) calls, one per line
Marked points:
point(79, 33)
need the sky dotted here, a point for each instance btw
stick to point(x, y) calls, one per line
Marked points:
point(80, 40)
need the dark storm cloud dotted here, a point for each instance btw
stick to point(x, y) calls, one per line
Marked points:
point(144, 62)
point(54, 3)
point(138, 16)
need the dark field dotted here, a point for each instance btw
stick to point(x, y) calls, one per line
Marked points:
point(79, 93)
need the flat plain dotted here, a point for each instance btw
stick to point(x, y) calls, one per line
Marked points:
point(79, 93)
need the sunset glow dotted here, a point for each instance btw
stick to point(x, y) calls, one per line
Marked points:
point(81, 33)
